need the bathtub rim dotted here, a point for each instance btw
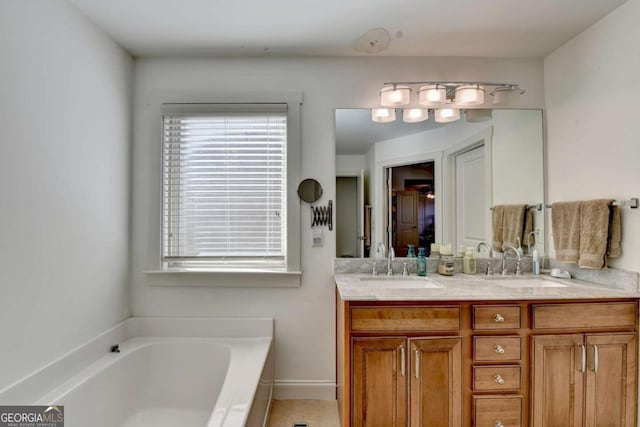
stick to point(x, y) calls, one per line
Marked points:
point(30, 388)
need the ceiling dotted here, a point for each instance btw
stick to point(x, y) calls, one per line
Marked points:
point(487, 28)
point(356, 132)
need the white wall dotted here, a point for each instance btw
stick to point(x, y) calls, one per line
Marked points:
point(64, 166)
point(350, 162)
point(593, 131)
point(305, 318)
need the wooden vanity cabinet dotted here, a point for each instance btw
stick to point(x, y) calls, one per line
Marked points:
point(587, 379)
point(503, 363)
point(399, 374)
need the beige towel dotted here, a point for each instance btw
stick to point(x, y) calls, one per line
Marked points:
point(615, 233)
point(594, 233)
point(497, 223)
point(513, 225)
point(565, 221)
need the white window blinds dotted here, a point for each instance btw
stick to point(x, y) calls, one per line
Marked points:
point(224, 185)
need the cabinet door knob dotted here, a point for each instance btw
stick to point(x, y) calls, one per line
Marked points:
point(498, 318)
point(498, 379)
point(499, 423)
point(498, 349)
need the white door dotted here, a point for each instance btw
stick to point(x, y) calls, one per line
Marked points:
point(471, 206)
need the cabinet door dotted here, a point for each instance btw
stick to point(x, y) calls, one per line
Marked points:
point(559, 362)
point(379, 382)
point(436, 383)
point(611, 380)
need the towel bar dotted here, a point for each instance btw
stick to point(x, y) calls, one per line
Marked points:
point(537, 207)
point(632, 203)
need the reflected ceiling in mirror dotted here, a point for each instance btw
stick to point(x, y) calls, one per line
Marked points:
point(356, 132)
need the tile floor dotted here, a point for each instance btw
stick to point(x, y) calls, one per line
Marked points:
point(316, 413)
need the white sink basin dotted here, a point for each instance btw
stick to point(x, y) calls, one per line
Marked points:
point(529, 283)
point(410, 282)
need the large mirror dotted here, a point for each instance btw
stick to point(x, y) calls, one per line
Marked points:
point(401, 184)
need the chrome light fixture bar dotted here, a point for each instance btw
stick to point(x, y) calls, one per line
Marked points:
point(445, 97)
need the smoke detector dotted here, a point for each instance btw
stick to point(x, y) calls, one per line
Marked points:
point(373, 41)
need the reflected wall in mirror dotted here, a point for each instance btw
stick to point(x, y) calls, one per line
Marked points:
point(466, 169)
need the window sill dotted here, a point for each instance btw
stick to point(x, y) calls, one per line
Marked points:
point(227, 278)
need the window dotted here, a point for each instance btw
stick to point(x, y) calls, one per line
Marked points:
point(224, 186)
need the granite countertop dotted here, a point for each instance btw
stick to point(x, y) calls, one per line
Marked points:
point(362, 287)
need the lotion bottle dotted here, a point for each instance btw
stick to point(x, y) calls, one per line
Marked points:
point(536, 262)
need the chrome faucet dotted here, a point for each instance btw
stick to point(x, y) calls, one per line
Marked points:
point(534, 234)
point(390, 258)
point(508, 248)
point(489, 266)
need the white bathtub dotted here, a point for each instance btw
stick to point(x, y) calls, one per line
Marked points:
point(168, 373)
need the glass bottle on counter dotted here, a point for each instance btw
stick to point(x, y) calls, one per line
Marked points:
point(446, 265)
point(410, 251)
point(421, 263)
point(469, 262)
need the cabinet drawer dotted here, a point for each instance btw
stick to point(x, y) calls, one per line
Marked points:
point(496, 349)
point(496, 378)
point(439, 319)
point(494, 411)
point(589, 315)
point(491, 317)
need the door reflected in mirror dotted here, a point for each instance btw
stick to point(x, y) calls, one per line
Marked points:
point(469, 168)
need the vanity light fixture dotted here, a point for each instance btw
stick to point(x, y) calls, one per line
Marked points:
point(395, 95)
point(415, 115)
point(439, 94)
point(446, 98)
point(383, 115)
point(506, 94)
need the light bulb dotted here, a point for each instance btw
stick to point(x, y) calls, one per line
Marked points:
point(467, 95)
point(432, 95)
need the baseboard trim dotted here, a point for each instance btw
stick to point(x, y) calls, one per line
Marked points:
point(293, 389)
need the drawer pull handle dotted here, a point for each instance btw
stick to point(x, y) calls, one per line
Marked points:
point(499, 424)
point(498, 349)
point(595, 358)
point(402, 361)
point(583, 363)
point(498, 379)
point(417, 353)
point(498, 318)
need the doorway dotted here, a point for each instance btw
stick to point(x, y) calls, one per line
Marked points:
point(412, 207)
point(351, 224)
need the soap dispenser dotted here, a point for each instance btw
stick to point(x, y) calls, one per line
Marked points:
point(536, 262)
point(410, 251)
point(469, 262)
point(422, 263)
